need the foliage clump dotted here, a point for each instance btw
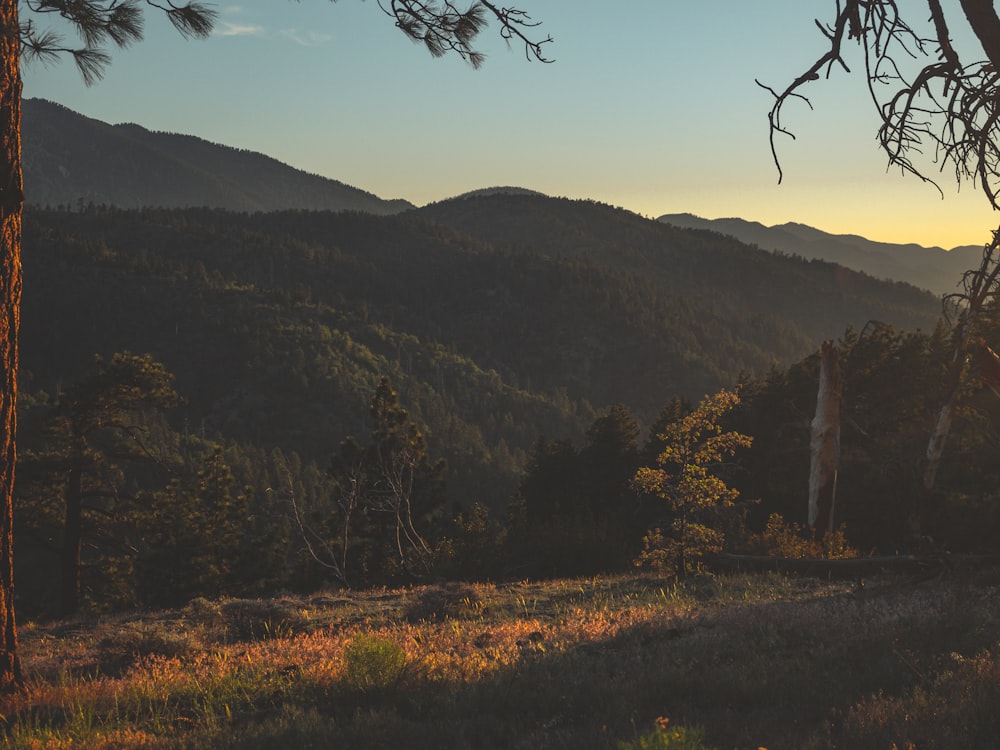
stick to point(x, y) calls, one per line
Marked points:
point(373, 663)
point(666, 737)
point(687, 477)
point(783, 539)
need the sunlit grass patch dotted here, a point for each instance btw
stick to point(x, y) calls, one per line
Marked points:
point(572, 663)
point(132, 643)
point(956, 708)
point(260, 619)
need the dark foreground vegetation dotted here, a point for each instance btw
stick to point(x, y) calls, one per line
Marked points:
point(268, 383)
point(620, 662)
point(121, 507)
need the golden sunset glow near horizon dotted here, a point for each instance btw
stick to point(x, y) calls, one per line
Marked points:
point(653, 107)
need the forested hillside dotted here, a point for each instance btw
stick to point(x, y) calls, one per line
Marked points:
point(494, 332)
point(572, 302)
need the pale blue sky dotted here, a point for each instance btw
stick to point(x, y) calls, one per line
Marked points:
point(650, 105)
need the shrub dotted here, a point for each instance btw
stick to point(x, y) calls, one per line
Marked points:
point(783, 539)
point(665, 737)
point(372, 663)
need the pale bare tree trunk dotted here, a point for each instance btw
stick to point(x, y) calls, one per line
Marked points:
point(953, 383)
point(935, 446)
point(825, 442)
point(980, 287)
point(11, 201)
point(989, 366)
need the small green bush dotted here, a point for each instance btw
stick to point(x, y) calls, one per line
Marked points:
point(372, 663)
point(665, 737)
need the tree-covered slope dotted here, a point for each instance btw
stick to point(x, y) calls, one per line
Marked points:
point(498, 319)
point(724, 275)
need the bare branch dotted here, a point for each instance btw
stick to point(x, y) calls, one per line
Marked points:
point(980, 287)
point(943, 109)
point(317, 547)
point(982, 17)
point(512, 25)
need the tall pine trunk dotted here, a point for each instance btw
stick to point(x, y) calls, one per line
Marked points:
point(11, 201)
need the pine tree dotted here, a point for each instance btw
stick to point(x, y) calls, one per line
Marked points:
point(94, 431)
point(686, 478)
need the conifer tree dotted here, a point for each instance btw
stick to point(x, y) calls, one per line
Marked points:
point(95, 429)
point(195, 529)
point(687, 478)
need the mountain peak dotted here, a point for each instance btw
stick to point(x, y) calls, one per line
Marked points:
point(503, 190)
point(69, 158)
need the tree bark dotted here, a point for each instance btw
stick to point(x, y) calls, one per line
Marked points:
point(980, 286)
point(982, 17)
point(11, 201)
point(989, 366)
point(825, 443)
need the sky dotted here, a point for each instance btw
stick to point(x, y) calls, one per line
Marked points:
point(650, 105)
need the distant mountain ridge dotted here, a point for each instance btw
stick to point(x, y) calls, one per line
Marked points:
point(71, 159)
point(930, 268)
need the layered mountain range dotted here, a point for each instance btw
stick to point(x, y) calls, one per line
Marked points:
point(71, 160)
point(932, 268)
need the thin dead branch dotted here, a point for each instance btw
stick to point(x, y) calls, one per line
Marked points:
point(933, 103)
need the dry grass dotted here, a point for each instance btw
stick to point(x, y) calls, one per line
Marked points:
point(757, 661)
